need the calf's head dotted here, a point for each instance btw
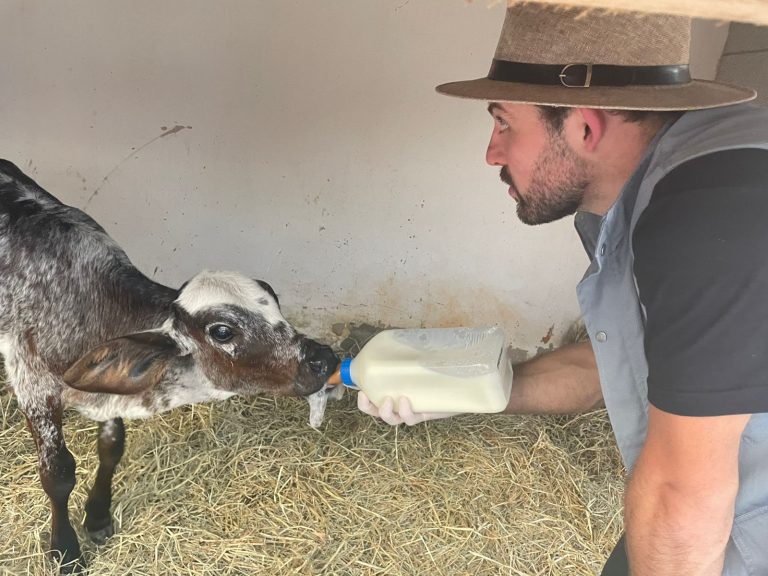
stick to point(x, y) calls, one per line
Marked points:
point(225, 333)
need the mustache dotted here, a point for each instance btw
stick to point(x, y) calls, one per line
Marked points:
point(506, 177)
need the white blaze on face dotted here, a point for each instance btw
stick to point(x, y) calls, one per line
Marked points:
point(209, 289)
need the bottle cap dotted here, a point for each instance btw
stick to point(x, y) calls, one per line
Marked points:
point(346, 373)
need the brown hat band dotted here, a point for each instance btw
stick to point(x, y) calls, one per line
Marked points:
point(586, 75)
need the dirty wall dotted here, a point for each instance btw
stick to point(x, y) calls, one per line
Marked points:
point(298, 142)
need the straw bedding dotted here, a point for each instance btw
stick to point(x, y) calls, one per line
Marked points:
point(247, 487)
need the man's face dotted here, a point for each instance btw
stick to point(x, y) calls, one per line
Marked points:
point(545, 176)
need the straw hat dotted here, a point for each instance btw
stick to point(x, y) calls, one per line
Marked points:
point(750, 11)
point(565, 57)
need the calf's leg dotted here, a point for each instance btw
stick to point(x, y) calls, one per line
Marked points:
point(111, 443)
point(57, 475)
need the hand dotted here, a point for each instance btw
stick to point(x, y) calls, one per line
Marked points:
point(404, 413)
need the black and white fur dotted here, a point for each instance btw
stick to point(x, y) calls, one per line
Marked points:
point(81, 327)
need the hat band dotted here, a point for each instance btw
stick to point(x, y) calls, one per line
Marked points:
point(586, 75)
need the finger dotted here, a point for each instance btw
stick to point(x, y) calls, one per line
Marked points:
point(387, 412)
point(405, 410)
point(365, 405)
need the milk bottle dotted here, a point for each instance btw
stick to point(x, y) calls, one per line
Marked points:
point(437, 369)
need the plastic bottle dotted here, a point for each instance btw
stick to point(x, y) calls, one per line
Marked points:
point(438, 369)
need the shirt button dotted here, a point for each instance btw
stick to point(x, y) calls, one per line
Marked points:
point(601, 336)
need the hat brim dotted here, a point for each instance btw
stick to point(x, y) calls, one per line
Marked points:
point(695, 95)
point(752, 11)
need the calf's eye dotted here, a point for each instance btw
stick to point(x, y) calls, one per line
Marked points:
point(221, 333)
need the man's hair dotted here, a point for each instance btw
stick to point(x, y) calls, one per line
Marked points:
point(555, 116)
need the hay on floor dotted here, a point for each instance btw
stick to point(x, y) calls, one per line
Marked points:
point(247, 487)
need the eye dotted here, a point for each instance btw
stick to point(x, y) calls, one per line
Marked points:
point(221, 332)
point(501, 123)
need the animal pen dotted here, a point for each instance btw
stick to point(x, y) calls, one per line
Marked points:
point(204, 154)
point(245, 486)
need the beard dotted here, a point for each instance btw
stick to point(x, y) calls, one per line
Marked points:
point(558, 183)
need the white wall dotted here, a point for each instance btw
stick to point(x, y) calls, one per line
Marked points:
point(311, 151)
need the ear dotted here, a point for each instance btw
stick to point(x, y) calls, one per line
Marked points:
point(269, 289)
point(126, 365)
point(591, 124)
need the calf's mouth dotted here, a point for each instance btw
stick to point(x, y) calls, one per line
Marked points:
point(318, 364)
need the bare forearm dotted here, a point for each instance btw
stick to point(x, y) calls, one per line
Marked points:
point(561, 382)
point(673, 532)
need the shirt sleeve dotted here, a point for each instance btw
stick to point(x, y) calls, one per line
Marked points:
point(701, 264)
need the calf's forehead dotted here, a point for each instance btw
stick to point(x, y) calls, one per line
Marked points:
point(219, 289)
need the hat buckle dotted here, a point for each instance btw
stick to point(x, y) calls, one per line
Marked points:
point(587, 76)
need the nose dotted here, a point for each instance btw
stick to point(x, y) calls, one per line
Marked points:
point(493, 154)
point(320, 358)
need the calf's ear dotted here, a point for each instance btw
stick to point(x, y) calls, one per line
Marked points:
point(269, 290)
point(125, 365)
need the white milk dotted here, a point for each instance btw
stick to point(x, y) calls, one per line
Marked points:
point(438, 369)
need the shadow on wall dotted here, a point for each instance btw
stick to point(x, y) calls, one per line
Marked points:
point(349, 338)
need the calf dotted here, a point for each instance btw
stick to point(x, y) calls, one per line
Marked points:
point(80, 326)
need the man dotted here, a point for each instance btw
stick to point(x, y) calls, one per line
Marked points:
point(596, 115)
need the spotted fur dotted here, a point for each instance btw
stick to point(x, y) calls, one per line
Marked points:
point(80, 326)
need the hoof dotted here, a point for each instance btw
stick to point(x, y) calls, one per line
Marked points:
point(101, 535)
